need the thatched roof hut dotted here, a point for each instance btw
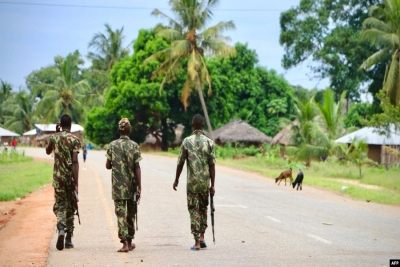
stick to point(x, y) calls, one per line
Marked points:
point(239, 131)
point(284, 135)
point(151, 143)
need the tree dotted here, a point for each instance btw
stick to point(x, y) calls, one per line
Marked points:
point(243, 90)
point(65, 95)
point(382, 31)
point(5, 93)
point(359, 154)
point(358, 112)
point(332, 113)
point(327, 33)
point(134, 96)
point(109, 50)
point(189, 41)
point(22, 118)
point(312, 143)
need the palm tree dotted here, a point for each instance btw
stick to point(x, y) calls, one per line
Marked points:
point(65, 95)
point(109, 48)
point(311, 141)
point(23, 117)
point(5, 92)
point(382, 31)
point(331, 112)
point(190, 40)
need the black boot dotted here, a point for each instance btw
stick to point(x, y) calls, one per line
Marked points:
point(68, 241)
point(60, 240)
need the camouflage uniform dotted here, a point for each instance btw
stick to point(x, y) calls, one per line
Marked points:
point(123, 154)
point(198, 151)
point(64, 144)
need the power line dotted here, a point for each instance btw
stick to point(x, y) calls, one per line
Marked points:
point(128, 7)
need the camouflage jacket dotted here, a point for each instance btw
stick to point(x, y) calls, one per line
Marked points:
point(123, 154)
point(198, 151)
point(63, 144)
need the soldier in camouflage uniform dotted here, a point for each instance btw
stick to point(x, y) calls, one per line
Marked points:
point(123, 156)
point(65, 178)
point(198, 151)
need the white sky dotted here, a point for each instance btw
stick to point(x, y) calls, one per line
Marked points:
point(31, 35)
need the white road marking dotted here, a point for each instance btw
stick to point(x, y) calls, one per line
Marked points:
point(320, 239)
point(272, 219)
point(232, 206)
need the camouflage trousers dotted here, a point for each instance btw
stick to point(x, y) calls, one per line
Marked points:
point(64, 209)
point(125, 209)
point(197, 205)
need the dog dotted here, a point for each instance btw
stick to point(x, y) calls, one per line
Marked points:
point(299, 180)
point(284, 175)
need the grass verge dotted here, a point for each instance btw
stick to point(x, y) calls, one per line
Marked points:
point(22, 176)
point(328, 175)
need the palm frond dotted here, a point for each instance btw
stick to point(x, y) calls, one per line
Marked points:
point(380, 38)
point(375, 23)
point(169, 34)
point(392, 79)
point(171, 22)
point(186, 92)
point(374, 59)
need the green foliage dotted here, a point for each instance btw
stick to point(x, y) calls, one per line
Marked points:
point(5, 93)
point(389, 118)
point(66, 95)
point(135, 97)
point(381, 30)
point(189, 40)
point(328, 33)
point(21, 117)
point(358, 112)
point(359, 154)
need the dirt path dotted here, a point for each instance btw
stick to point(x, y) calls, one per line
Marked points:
point(26, 227)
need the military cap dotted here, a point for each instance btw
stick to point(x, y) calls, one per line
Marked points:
point(124, 124)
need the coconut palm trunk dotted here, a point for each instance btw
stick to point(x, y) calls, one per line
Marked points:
point(203, 105)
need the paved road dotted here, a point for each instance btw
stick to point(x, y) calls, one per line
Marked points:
point(257, 223)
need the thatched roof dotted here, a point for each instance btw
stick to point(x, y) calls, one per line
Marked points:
point(239, 131)
point(178, 134)
point(284, 135)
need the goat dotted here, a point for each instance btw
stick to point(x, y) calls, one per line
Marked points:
point(284, 175)
point(299, 180)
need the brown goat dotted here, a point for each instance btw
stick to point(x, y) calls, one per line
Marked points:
point(284, 175)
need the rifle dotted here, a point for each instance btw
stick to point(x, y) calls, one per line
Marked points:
point(135, 205)
point(212, 209)
point(75, 198)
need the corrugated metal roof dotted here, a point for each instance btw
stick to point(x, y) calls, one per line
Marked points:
point(372, 137)
point(31, 132)
point(52, 128)
point(5, 132)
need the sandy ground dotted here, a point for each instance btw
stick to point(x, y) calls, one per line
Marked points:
point(26, 228)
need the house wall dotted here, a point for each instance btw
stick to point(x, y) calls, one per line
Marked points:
point(374, 153)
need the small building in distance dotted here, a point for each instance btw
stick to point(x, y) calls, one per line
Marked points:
point(151, 144)
point(39, 137)
point(7, 136)
point(379, 146)
point(241, 132)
